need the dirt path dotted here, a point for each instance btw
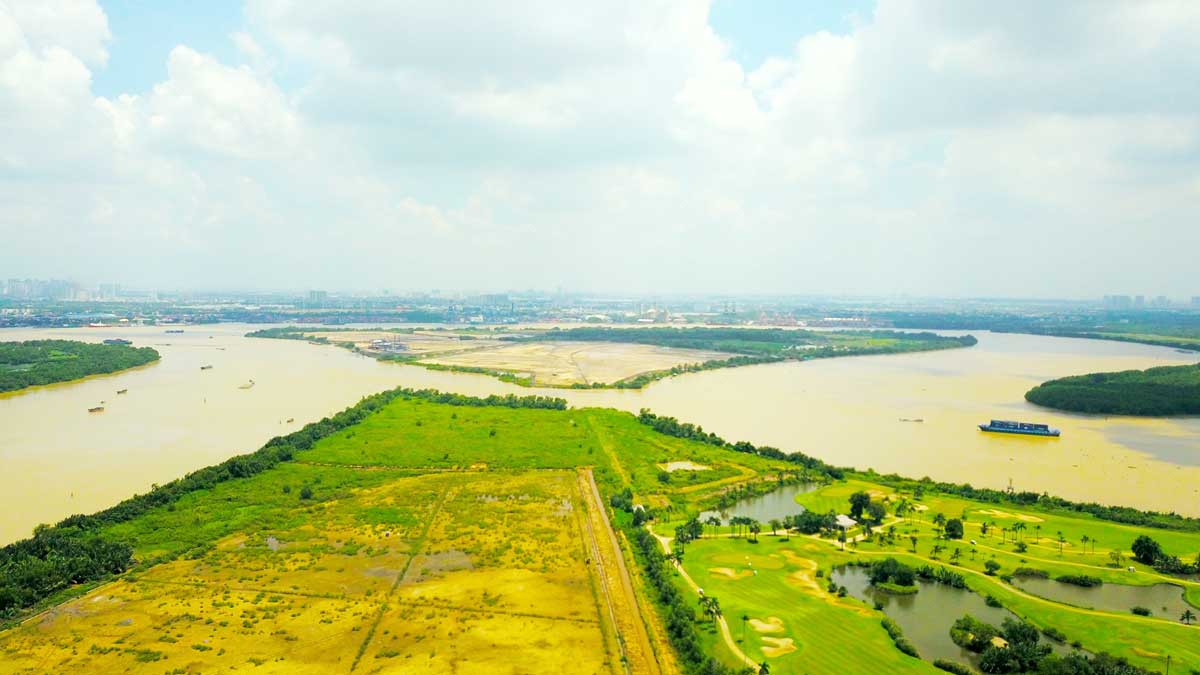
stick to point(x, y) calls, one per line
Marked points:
point(616, 585)
point(721, 622)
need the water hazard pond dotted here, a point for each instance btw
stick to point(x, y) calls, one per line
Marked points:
point(775, 505)
point(1163, 600)
point(927, 615)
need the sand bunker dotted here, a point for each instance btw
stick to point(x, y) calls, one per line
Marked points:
point(774, 646)
point(728, 573)
point(773, 624)
point(1017, 516)
point(683, 466)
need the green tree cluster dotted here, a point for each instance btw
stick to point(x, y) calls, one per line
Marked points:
point(38, 362)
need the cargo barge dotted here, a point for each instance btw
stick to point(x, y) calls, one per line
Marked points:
point(1007, 427)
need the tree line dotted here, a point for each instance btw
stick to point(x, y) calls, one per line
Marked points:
point(73, 551)
point(672, 427)
point(1165, 390)
point(1118, 514)
point(38, 362)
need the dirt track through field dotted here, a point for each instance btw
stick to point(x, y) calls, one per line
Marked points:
point(615, 583)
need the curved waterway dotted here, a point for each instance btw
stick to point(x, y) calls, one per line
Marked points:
point(58, 459)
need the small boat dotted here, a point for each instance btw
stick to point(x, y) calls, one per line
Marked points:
point(915, 419)
point(97, 409)
point(117, 341)
point(175, 330)
point(205, 367)
point(122, 391)
point(291, 419)
point(247, 385)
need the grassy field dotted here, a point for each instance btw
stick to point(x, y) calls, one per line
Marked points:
point(457, 539)
point(427, 538)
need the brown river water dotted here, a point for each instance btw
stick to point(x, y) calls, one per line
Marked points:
point(58, 459)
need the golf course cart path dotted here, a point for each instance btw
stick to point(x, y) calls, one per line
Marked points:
point(721, 623)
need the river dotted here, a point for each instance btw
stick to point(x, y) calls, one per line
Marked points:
point(58, 459)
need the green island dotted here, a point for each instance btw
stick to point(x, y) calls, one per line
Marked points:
point(39, 362)
point(526, 357)
point(1161, 391)
point(437, 532)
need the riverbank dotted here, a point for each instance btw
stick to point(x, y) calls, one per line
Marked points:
point(1155, 392)
point(632, 358)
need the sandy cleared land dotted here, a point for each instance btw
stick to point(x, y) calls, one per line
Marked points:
point(462, 572)
point(566, 363)
point(418, 342)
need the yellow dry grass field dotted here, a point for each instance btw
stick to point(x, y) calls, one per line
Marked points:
point(457, 572)
point(567, 363)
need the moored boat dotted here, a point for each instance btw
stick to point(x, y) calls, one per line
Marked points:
point(97, 409)
point(205, 367)
point(122, 391)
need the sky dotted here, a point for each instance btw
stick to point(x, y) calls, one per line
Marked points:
point(939, 147)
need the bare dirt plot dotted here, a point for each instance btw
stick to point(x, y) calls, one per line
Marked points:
point(566, 363)
point(418, 342)
point(452, 572)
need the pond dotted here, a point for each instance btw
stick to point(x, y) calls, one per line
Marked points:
point(776, 504)
point(1163, 600)
point(927, 615)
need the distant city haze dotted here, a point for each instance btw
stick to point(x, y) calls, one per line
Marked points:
point(939, 148)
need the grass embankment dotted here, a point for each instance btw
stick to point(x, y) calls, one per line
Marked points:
point(1166, 390)
point(40, 362)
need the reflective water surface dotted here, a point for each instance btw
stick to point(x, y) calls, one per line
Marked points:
point(58, 459)
point(1163, 600)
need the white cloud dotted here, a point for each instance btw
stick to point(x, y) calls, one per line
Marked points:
point(613, 145)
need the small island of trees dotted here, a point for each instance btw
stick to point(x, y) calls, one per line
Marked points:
point(39, 362)
point(1166, 390)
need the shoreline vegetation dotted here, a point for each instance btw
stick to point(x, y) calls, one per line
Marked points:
point(36, 363)
point(1155, 392)
point(82, 551)
point(746, 346)
point(71, 552)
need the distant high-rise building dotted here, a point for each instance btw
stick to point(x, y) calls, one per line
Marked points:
point(1118, 301)
point(1196, 301)
point(1139, 301)
point(317, 298)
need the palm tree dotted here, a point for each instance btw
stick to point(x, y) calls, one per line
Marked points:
point(755, 528)
point(764, 668)
point(715, 522)
point(775, 525)
point(1116, 557)
point(745, 618)
point(1061, 540)
point(913, 539)
point(1019, 528)
point(973, 552)
point(1038, 530)
point(1085, 539)
point(1187, 617)
point(956, 554)
point(937, 548)
point(939, 520)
